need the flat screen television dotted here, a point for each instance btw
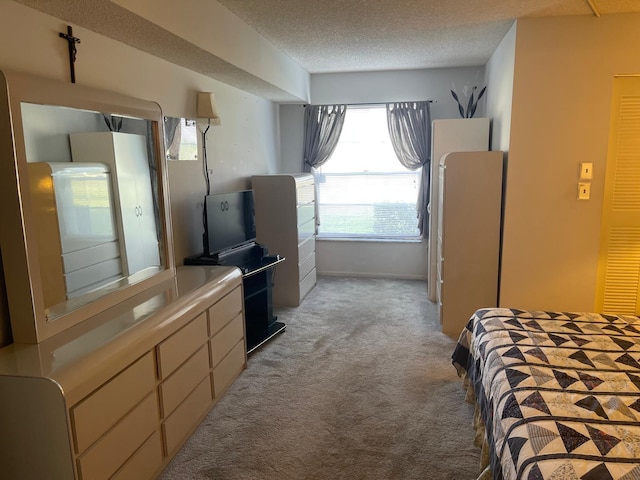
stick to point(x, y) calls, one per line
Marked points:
point(229, 221)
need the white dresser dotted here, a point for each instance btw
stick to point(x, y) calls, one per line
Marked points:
point(117, 396)
point(285, 224)
point(469, 212)
point(449, 135)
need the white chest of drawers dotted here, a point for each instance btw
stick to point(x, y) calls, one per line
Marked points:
point(285, 224)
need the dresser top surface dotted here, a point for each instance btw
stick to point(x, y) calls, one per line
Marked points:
point(124, 331)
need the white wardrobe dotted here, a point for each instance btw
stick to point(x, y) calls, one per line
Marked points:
point(449, 135)
point(285, 224)
point(468, 235)
point(126, 156)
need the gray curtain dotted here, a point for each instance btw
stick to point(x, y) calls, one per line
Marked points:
point(171, 128)
point(410, 131)
point(322, 128)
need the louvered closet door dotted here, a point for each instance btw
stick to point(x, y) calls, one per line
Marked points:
point(619, 261)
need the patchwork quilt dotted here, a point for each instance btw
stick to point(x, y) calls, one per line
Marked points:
point(559, 393)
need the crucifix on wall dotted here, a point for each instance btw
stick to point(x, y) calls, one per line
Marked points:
point(73, 50)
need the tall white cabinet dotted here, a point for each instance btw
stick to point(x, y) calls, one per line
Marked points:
point(468, 235)
point(285, 224)
point(126, 156)
point(449, 135)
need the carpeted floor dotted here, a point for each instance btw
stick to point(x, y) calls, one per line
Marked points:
point(359, 386)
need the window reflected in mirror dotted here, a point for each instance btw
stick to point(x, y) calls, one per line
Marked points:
point(181, 139)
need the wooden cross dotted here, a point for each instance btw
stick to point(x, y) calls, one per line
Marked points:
point(72, 50)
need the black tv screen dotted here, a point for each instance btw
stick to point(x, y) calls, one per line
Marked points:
point(229, 221)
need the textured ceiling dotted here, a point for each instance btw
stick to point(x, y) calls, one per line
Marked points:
point(365, 35)
point(334, 35)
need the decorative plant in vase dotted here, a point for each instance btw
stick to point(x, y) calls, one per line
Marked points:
point(472, 102)
point(114, 124)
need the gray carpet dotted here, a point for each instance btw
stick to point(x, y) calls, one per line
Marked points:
point(360, 386)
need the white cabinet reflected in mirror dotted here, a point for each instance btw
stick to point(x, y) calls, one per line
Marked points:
point(88, 217)
point(180, 138)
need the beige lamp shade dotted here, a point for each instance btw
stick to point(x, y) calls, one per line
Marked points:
point(206, 108)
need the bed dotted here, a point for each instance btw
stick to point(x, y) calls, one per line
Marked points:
point(557, 394)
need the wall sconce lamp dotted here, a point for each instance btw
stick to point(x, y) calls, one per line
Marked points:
point(206, 109)
point(207, 115)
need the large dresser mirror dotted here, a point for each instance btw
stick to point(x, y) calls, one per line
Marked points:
point(85, 211)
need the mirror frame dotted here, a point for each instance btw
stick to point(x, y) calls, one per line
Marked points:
point(18, 241)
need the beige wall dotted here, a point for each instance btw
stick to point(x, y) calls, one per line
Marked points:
point(499, 78)
point(563, 75)
point(245, 144)
point(352, 258)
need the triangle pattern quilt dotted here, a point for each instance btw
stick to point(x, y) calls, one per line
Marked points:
point(558, 392)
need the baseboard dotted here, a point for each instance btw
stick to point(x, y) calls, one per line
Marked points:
point(390, 276)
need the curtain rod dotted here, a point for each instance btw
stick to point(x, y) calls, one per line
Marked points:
point(366, 103)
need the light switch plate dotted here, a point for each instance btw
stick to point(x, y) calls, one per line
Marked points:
point(584, 190)
point(586, 170)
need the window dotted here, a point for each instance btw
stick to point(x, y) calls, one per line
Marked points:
point(363, 190)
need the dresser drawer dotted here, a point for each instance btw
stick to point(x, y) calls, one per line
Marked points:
point(178, 347)
point(222, 312)
point(306, 230)
point(184, 419)
point(94, 415)
point(228, 368)
point(306, 246)
point(226, 339)
point(305, 213)
point(176, 388)
point(104, 458)
point(305, 192)
point(306, 266)
point(145, 462)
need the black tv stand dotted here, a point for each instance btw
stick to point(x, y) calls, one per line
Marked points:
point(261, 324)
point(257, 278)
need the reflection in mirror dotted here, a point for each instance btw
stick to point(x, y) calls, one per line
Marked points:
point(85, 217)
point(94, 201)
point(180, 138)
